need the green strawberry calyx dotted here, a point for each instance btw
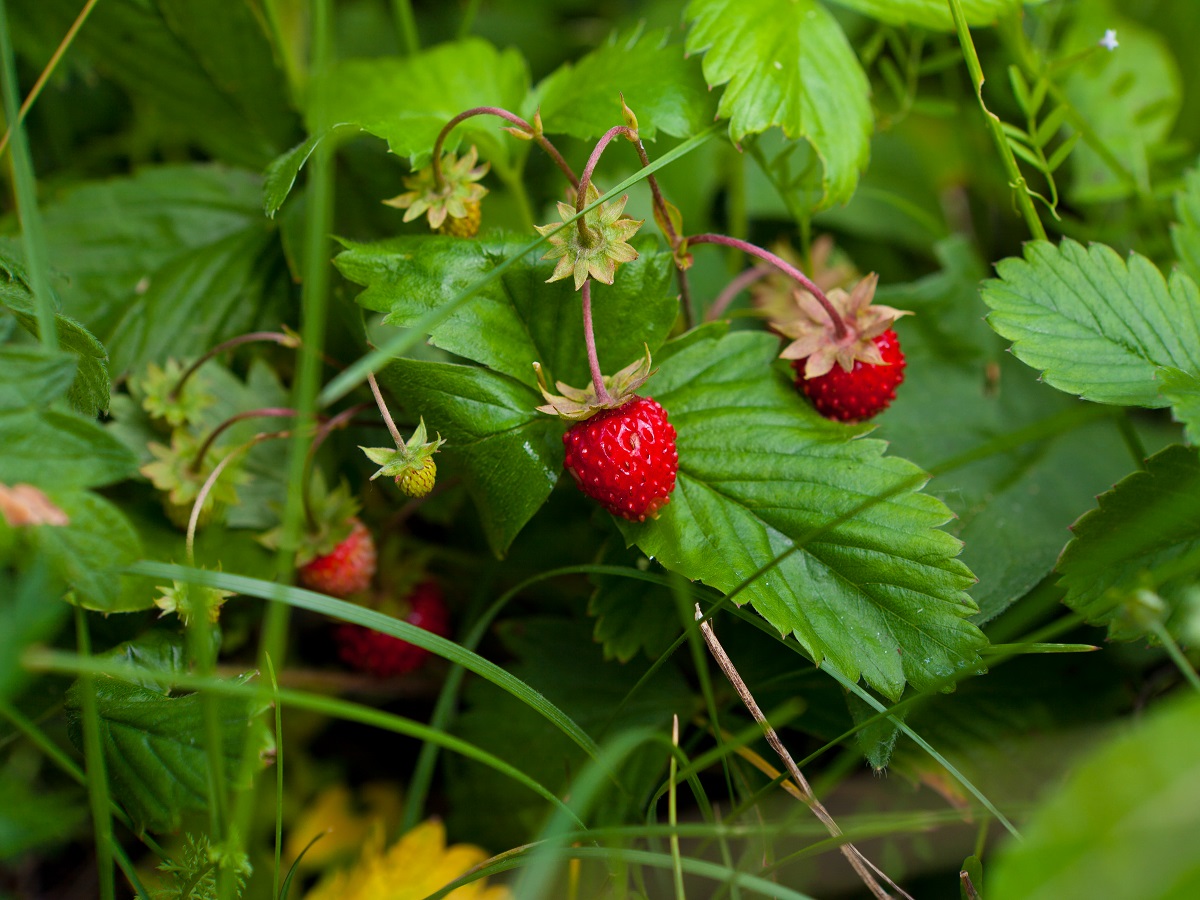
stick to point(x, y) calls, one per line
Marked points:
point(576, 404)
point(410, 458)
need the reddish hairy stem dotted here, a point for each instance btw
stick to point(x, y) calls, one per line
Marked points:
point(839, 326)
point(274, 412)
point(277, 337)
point(324, 429)
point(660, 202)
point(593, 160)
point(589, 337)
point(735, 287)
point(541, 139)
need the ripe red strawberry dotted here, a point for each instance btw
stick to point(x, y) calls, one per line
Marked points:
point(385, 656)
point(345, 570)
point(625, 458)
point(866, 390)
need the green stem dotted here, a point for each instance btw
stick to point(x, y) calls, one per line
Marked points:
point(468, 19)
point(93, 754)
point(1015, 40)
point(25, 186)
point(1177, 657)
point(406, 27)
point(1016, 179)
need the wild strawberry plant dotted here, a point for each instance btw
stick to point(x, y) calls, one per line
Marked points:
point(682, 337)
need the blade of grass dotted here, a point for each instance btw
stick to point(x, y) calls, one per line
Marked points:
point(60, 661)
point(51, 65)
point(25, 187)
point(93, 754)
point(278, 780)
point(358, 615)
point(314, 297)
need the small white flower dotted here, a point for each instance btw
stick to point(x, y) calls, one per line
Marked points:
point(1109, 41)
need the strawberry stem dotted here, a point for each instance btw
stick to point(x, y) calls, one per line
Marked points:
point(585, 180)
point(277, 337)
point(839, 326)
point(207, 487)
point(276, 412)
point(534, 133)
point(673, 237)
point(735, 287)
point(589, 337)
point(383, 411)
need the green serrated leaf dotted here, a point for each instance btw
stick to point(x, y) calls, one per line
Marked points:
point(55, 450)
point(933, 13)
point(787, 64)
point(1182, 391)
point(281, 174)
point(184, 247)
point(92, 551)
point(632, 616)
point(511, 454)
point(962, 393)
point(880, 595)
point(31, 377)
point(1095, 325)
point(90, 387)
point(1147, 521)
point(407, 101)
point(666, 90)
point(517, 319)
point(1127, 837)
point(200, 299)
point(207, 71)
point(1185, 232)
point(156, 762)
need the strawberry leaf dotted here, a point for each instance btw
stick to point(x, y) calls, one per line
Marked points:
point(1185, 232)
point(157, 767)
point(205, 72)
point(1139, 529)
point(511, 455)
point(787, 64)
point(964, 396)
point(407, 101)
point(1125, 837)
point(664, 89)
point(762, 476)
point(517, 319)
point(1095, 325)
point(1182, 391)
point(933, 14)
point(90, 388)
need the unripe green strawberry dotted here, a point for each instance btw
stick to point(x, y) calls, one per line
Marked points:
point(464, 226)
point(417, 483)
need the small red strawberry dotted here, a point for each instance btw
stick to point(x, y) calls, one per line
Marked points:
point(385, 656)
point(621, 450)
point(347, 569)
point(625, 458)
point(336, 555)
point(845, 354)
point(861, 393)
